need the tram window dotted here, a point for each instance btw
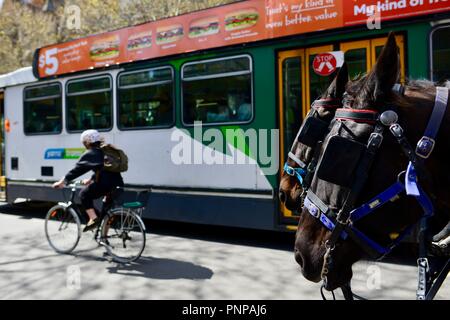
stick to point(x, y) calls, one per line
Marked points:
point(43, 109)
point(292, 98)
point(356, 61)
point(218, 91)
point(89, 104)
point(215, 67)
point(440, 47)
point(146, 99)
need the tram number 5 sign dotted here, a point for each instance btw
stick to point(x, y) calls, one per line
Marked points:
point(325, 64)
point(49, 62)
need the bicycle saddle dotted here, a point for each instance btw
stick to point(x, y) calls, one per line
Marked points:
point(133, 205)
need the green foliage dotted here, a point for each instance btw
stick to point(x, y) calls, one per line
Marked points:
point(23, 28)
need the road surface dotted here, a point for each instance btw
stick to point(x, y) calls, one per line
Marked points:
point(181, 261)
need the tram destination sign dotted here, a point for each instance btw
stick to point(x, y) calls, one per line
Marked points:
point(237, 23)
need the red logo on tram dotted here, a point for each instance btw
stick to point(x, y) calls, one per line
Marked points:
point(324, 64)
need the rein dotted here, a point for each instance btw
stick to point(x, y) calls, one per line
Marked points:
point(341, 223)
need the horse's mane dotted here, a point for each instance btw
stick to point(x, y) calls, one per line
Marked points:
point(422, 86)
point(425, 85)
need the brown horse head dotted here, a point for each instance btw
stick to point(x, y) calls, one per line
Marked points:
point(374, 92)
point(290, 188)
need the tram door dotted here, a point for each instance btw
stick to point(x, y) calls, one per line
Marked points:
point(362, 55)
point(2, 148)
point(299, 85)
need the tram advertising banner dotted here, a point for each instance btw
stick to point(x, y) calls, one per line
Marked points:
point(242, 22)
point(359, 11)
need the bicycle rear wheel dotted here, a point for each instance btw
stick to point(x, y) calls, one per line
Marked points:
point(62, 228)
point(123, 234)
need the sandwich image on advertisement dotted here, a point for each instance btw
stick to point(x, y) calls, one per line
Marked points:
point(139, 40)
point(169, 34)
point(241, 19)
point(204, 27)
point(105, 48)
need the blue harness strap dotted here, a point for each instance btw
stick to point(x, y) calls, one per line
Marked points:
point(396, 189)
point(413, 189)
point(411, 181)
point(411, 186)
point(300, 173)
point(372, 244)
point(426, 144)
point(295, 172)
point(389, 194)
point(315, 208)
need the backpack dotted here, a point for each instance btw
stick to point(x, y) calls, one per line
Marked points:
point(115, 159)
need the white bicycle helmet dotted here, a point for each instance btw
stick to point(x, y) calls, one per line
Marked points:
point(90, 136)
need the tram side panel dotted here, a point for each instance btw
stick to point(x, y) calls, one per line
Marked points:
point(210, 194)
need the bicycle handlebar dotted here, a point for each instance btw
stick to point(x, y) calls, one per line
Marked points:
point(75, 183)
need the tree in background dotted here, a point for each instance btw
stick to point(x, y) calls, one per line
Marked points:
point(28, 25)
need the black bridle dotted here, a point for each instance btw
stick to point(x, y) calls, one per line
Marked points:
point(341, 223)
point(304, 171)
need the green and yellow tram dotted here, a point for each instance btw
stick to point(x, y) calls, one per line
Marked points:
point(205, 104)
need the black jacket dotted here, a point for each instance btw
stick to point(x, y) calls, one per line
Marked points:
point(93, 159)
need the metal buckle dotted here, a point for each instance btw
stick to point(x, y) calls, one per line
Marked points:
point(329, 247)
point(290, 171)
point(343, 222)
point(425, 147)
point(375, 140)
point(396, 130)
point(423, 269)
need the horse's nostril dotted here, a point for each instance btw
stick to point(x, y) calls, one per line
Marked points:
point(282, 196)
point(298, 258)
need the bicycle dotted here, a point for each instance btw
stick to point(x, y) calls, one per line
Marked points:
point(121, 230)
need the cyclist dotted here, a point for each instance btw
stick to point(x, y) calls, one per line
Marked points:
point(100, 184)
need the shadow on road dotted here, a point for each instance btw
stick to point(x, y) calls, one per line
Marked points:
point(405, 254)
point(27, 210)
point(28, 259)
point(248, 237)
point(163, 269)
point(230, 235)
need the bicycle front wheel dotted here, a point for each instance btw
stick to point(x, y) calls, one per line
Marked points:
point(123, 234)
point(62, 228)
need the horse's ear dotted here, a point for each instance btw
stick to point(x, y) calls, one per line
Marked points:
point(387, 69)
point(341, 80)
point(337, 87)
